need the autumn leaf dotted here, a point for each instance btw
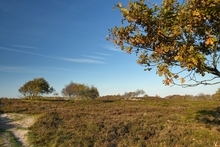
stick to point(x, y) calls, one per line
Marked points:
point(182, 80)
point(184, 35)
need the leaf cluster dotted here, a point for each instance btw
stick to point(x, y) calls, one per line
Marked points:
point(184, 35)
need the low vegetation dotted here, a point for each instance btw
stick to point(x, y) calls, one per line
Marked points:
point(6, 138)
point(113, 122)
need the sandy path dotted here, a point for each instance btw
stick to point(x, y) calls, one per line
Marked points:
point(18, 124)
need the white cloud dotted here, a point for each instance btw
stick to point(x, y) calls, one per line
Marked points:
point(112, 48)
point(24, 46)
point(102, 54)
point(94, 57)
point(79, 60)
point(66, 6)
point(26, 52)
point(39, 69)
point(18, 69)
point(82, 60)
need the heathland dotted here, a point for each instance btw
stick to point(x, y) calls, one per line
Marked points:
point(114, 122)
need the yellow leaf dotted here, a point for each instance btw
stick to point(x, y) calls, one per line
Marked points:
point(209, 41)
point(119, 5)
point(196, 13)
point(195, 62)
point(129, 50)
point(171, 35)
point(191, 48)
point(182, 80)
point(176, 58)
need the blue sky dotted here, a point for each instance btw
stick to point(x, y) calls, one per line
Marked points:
point(65, 40)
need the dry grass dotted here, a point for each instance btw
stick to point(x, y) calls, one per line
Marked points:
point(120, 123)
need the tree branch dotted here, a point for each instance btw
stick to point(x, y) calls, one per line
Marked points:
point(203, 82)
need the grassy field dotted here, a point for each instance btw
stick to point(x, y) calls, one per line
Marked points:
point(153, 122)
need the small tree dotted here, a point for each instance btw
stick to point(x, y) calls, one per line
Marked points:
point(216, 96)
point(202, 96)
point(75, 90)
point(180, 39)
point(93, 92)
point(129, 95)
point(139, 92)
point(35, 87)
point(69, 90)
point(55, 94)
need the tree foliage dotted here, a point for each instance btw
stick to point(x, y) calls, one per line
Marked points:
point(74, 90)
point(133, 94)
point(36, 87)
point(175, 35)
point(216, 96)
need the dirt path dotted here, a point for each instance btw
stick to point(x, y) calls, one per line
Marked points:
point(18, 125)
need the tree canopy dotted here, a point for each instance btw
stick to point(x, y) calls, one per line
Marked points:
point(133, 94)
point(179, 39)
point(73, 90)
point(35, 88)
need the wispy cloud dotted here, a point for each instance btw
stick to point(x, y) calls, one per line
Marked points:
point(77, 60)
point(82, 60)
point(94, 57)
point(25, 52)
point(66, 6)
point(18, 69)
point(69, 70)
point(112, 48)
point(102, 54)
point(39, 69)
point(7, 68)
point(24, 46)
